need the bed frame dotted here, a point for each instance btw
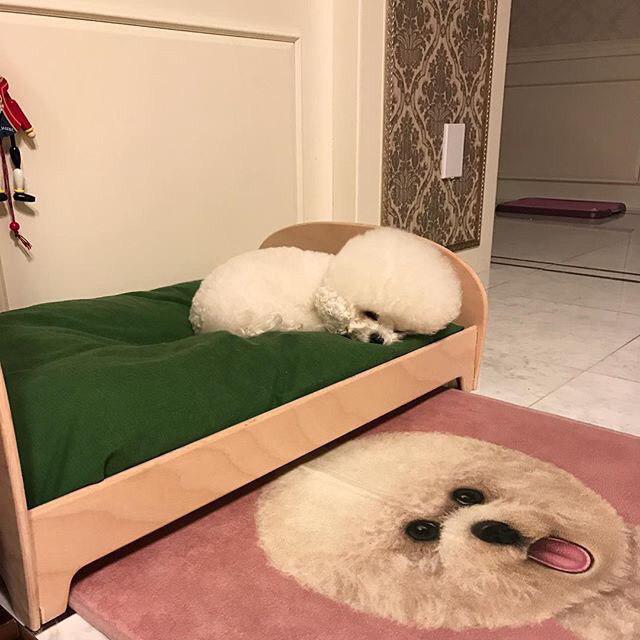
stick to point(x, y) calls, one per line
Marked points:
point(41, 549)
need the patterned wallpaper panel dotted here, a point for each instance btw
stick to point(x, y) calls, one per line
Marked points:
point(546, 22)
point(438, 70)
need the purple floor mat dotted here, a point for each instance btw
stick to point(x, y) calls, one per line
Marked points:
point(562, 208)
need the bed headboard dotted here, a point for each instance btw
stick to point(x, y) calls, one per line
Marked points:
point(328, 237)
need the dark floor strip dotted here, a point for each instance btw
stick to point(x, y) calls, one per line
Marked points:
point(570, 266)
point(572, 273)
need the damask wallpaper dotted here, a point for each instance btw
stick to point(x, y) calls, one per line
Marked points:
point(546, 22)
point(438, 69)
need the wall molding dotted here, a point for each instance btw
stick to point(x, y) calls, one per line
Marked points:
point(610, 181)
point(256, 34)
point(575, 51)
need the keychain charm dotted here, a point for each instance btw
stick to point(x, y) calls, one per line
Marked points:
point(13, 121)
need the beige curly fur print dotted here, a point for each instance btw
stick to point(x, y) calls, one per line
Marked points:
point(342, 525)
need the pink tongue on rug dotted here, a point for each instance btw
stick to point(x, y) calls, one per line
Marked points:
point(561, 555)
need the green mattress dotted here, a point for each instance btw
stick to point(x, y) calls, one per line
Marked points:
point(99, 386)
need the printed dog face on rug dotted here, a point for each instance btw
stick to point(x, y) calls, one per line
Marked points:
point(435, 531)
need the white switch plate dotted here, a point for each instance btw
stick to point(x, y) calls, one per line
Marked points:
point(452, 151)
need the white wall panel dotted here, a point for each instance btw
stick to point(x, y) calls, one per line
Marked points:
point(571, 124)
point(159, 152)
point(588, 132)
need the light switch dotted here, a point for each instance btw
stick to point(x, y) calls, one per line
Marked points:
point(452, 150)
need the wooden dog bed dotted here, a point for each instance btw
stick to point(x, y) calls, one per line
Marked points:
point(43, 546)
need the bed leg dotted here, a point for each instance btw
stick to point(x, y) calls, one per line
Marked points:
point(54, 595)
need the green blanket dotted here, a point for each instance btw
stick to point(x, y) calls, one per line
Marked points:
point(99, 386)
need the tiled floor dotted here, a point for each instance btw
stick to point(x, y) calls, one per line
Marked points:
point(613, 244)
point(561, 343)
point(571, 347)
point(72, 628)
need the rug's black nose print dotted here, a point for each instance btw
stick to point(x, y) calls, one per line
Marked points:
point(467, 497)
point(495, 532)
point(376, 338)
point(423, 530)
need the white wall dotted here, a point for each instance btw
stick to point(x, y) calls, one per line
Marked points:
point(571, 124)
point(536, 23)
point(172, 134)
point(358, 90)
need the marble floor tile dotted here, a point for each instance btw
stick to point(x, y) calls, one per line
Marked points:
point(499, 274)
point(622, 256)
point(554, 333)
point(598, 399)
point(520, 379)
point(630, 302)
point(624, 363)
point(550, 241)
point(572, 289)
point(613, 244)
point(72, 628)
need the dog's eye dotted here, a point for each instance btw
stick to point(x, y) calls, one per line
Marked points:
point(423, 530)
point(467, 497)
point(372, 315)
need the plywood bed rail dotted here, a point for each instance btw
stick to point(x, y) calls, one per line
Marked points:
point(17, 564)
point(330, 237)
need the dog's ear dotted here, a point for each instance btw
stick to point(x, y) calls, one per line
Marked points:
point(334, 311)
point(614, 615)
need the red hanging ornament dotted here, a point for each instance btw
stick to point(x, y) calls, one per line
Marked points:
point(13, 121)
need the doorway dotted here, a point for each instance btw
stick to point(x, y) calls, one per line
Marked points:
point(571, 130)
point(564, 294)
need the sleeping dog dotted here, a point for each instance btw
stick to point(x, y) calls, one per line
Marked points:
point(381, 285)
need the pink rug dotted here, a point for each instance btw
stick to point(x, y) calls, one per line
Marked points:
point(419, 528)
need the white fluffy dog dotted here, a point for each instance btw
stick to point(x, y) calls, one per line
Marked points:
point(439, 531)
point(381, 285)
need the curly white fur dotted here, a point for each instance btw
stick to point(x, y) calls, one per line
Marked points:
point(382, 284)
point(406, 281)
point(259, 291)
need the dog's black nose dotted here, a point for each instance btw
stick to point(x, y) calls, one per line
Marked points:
point(423, 530)
point(495, 532)
point(376, 338)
